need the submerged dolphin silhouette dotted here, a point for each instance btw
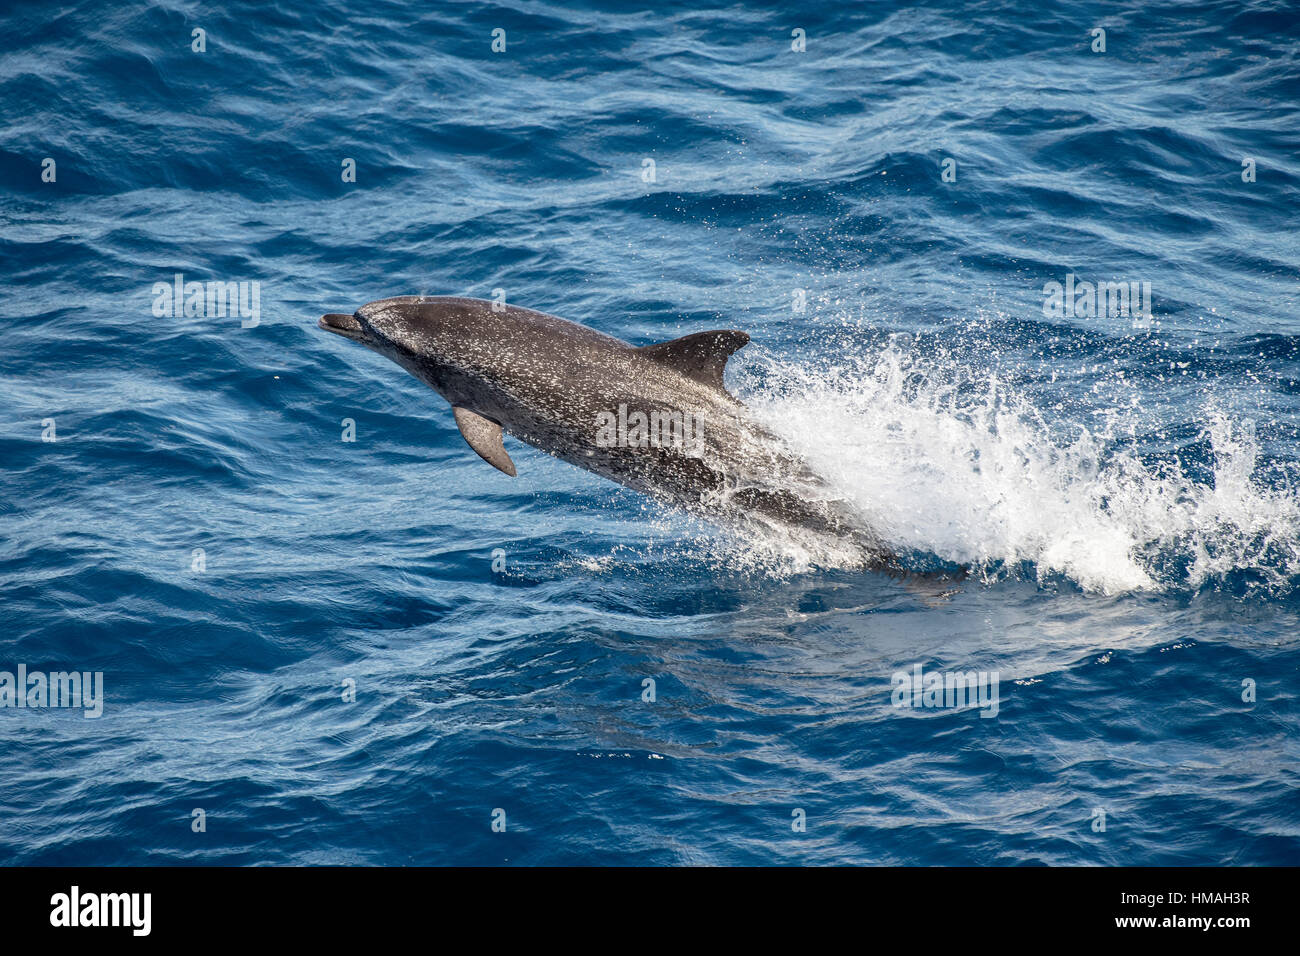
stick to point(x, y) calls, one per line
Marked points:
point(656, 418)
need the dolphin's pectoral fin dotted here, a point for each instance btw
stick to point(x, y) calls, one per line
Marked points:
point(701, 356)
point(484, 436)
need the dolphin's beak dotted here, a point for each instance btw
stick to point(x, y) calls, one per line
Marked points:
point(340, 324)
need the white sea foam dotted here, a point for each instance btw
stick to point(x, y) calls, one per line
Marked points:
point(952, 463)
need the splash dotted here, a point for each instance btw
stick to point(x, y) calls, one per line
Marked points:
point(954, 464)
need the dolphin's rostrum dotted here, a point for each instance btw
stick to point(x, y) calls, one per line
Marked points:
point(656, 418)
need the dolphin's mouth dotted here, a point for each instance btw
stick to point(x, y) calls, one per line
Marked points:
point(340, 324)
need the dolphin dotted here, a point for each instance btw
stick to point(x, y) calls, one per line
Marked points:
point(654, 418)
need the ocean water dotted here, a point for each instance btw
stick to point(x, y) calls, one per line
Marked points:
point(1124, 488)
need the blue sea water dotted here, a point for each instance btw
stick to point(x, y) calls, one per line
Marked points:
point(1126, 489)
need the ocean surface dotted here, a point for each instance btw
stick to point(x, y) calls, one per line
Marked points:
point(382, 651)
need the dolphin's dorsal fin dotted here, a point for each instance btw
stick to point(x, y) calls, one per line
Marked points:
point(484, 436)
point(700, 356)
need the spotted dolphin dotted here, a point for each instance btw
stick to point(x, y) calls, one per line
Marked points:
point(655, 418)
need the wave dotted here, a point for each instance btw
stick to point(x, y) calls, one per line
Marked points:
point(955, 463)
